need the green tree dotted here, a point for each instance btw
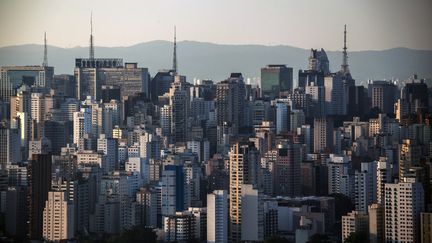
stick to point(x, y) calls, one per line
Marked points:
point(357, 237)
point(138, 233)
point(277, 239)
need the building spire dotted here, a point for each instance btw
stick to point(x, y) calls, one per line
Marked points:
point(45, 60)
point(91, 54)
point(174, 67)
point(345, 66)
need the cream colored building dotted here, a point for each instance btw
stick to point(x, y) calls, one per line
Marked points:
point(354, 221)
point(58, 217)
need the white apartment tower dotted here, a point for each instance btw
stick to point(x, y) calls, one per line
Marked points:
point(217, 217)
point(404, 201)
point(82, 126)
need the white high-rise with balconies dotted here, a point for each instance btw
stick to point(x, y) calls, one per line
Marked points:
point(404, 201)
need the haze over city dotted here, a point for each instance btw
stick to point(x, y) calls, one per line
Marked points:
point(374, 25)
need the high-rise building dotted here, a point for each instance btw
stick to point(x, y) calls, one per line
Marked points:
point(147, 199)
point(357, 101)
point(383, 95)
point(282, 118)
point(335, 95)
point(339, 178)
point(318, 61)
point(179, 227)
point(131, 79)
point(217, 217)
point(426, 227)
point(87, 78)
point(58, 217)
point(39, 184)
point(200, 216)
point(415, 95)
point(243, 170)
point(276, 79)
point(409, 156)
point(16, 215)
point(252, 214)
point(230, 102)
point(161, 83)
point(376, 223)
point(310, 78)
point(323, 134)
point(354, 222)
point(179, 101)
point(287, 170)
point(404, 201)
point(317, 95)
point(109, 148)
point(173, 190)
point(383, 177)
point(20, 103)
point(82, 126)
point(9, 147)
point(13, 77)
point(365, 186)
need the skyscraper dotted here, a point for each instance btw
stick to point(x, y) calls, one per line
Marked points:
point(365, 186)
point(243, 170)
point(282, 118)
point(287, 169)
point(318, 61)
point(383, 95)
point(39, 184)
point(252, 214)
point(9, 147)
point(409, 156)
point(354, 222)
point(13, 77)
point(173, 190)
point(335, 95)
point(323, 134)
point(276, 79)
point(179, 101)
point(81, 126)
point(58, 217)
point(403, 203)
point(230, 102)
point(217, 217)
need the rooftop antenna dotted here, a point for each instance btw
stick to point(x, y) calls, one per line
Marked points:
point(91, 54)
point(345, 66)
point(174, 67)
point(45, 60)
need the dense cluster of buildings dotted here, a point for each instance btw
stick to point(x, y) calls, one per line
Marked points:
point(112, 148)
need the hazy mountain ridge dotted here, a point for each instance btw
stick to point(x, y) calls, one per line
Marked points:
point(216, 61)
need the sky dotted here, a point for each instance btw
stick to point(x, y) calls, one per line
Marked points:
point(371, 24)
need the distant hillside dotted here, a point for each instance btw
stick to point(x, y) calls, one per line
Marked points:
point(214, 61)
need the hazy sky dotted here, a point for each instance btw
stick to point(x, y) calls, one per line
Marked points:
point(372, 24)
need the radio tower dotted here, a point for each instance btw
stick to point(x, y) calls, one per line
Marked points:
point(45, 60)
point(91, 54)
point(345, 66)
point(174, 67)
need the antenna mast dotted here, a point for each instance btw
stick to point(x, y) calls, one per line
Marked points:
point(45, 60)
point(91, 54)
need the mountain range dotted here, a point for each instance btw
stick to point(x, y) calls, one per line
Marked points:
point(216, 61)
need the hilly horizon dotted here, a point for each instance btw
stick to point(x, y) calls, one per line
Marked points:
point(205, 60)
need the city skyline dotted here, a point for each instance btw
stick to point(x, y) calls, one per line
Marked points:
point(98, 146)
point(208, 22)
